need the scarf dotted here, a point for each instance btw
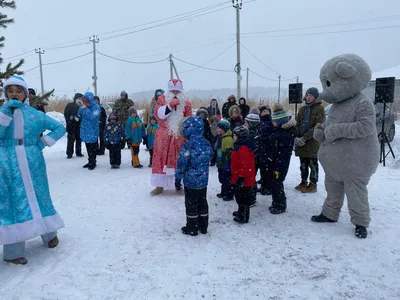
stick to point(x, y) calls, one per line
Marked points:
point(305, 123)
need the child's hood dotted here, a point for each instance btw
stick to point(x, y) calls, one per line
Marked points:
point(193, 127)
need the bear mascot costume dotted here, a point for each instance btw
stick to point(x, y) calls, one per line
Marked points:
point(349, 151)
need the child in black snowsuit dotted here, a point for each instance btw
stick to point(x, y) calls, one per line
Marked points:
point(266, 128)
point(280, 146)
point(214, 135)
point(252, 122)
point(114, 140)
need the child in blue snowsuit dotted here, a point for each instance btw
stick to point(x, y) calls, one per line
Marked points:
point(151, 134)
point(114, 140)
point(135, 134)
point(193, 167)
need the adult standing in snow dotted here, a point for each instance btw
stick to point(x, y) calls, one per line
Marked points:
point(170, 110)
point(121, 107)
point(32, 97)
point(306, 147)
point(89, 115)
point(149, 111)
point(244, 108)
point(26, 209)
point(227, 106)
point(101, 148)
point(73, 127)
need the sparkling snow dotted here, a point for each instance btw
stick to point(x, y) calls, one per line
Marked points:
point(121, 243)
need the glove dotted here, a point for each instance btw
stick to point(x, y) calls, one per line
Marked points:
point(240, 182)
point(319, 134)
point(178, 184)
point(77, 119)
point(13, 103)
point(300, 142)
point(145, 140)
point(174, 102)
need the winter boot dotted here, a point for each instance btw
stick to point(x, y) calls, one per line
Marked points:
point(80, 155)
point(138, 167)
point(276, 210)
point(311, 188)
point(86, 166)
point(151, 162)
point(92, 167)
point(220, 195)
point(188, 231)
point(157, 191)
point(17, 261)
point(69, 156)
point(53, 243)
point(303, 184)
point(361, 232)
point(322, 219)
point(226, 198)
point(235, 214)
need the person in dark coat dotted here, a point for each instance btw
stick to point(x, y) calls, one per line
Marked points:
point(73, 127)
point(213, 109)
point(307, 147)
point(203, 113)
point(235, 117)
point(266, 128)
point(280, 146)
point(227, 105)
point(244, 108)
point(38, 106)
point(102, 125)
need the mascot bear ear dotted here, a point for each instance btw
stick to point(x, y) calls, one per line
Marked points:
point(345, 70)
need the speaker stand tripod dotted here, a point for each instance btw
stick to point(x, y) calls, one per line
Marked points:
point(384, 140)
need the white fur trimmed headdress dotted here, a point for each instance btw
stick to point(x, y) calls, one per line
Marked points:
point(175, 85)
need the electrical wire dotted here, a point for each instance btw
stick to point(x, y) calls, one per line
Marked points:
point(68, 46)
point(211, 69)
point(380, 19)
point(133, 62)
point(69, 59)
point(31, 69)
point(326, 32)
point(8, 58)
point(252, 54)
point(220, 54)
point(168, 18)
point(270, 79)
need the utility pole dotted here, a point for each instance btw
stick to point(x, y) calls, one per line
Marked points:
point(238, 7)
point(297, 79)
point(40, 52)
point(171, 68)
point(247, 85)
point(279, 88)
point(94, 40)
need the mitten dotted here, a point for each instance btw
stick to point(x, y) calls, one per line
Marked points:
point(319, 134)
point(174, 102)
point(240, 182)
point(178, 184)
point(300, 142)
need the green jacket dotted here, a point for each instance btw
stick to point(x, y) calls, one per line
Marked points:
point(310, 149)
point(120, 108)
point(224, 146)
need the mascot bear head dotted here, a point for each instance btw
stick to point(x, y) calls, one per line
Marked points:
point(343, 77)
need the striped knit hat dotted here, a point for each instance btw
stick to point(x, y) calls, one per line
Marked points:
point(253, 120)
point(279, 115)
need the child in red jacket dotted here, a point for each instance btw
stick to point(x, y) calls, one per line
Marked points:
point(243, 172)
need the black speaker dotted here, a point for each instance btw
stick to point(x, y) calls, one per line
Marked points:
point(295, 93)
point(384, 89)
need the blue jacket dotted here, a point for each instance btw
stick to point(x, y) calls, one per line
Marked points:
point(135, 130)
point(194, 156)
point(114, 134)
point(26, 208)
point(89, 117)
point(151, 134)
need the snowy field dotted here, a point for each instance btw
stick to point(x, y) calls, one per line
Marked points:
point(121, 243)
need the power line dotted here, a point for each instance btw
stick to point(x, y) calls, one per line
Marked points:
point(191, 64)
point(380, 19)
point(168, 18)
point(220, 54)
point(69, 59)
point(268, 67)
point(31, 69)
point(8, 58)
point(133, 62)
point(326, 32)
point(270, 79)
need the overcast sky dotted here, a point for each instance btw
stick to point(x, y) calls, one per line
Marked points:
point(289, 52)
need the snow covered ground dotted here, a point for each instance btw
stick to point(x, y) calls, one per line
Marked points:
point(120, 243)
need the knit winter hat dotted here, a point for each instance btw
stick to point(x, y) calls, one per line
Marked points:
point(124, 94)
point(313, 91)
point(77, 96)
point(254, 110)
point(152, 117)
point(242, 132)
point(224, 125)
point(15, 80)
point(253, 119)
point(32, 91)
point(132, 110)
point(265, 107)
point(279, 115)
point(202, 112)
point(214, 119)
point(112, 116)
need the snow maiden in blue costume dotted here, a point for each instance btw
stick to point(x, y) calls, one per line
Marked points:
point(26, 209)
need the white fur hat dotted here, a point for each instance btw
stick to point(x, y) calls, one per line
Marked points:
point(15, 80)
point(175, 85)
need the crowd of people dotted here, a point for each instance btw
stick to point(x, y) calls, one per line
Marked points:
point(240, 142)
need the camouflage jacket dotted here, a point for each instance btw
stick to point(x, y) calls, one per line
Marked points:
point(120, 108)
